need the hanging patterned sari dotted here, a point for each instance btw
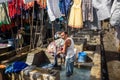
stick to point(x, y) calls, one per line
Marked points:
point(75, 18)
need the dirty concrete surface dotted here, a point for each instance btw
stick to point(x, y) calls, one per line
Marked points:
point(112, 55)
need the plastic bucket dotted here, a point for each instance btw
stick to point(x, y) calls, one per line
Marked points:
point(82, 56)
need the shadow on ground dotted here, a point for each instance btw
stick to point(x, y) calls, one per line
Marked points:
point(112, 55)
point(113, 64)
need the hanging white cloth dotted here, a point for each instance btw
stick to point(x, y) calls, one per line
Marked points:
point(53, 9)
point(1, 1)
point(113, 6)
point(115, 14)
point(103, 8)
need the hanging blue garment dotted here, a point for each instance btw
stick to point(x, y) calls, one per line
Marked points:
point(15, 67)
point(64, 6)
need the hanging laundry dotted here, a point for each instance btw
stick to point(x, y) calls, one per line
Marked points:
point(103, 8)
point(75, 18)
point(90, 17)
point(14, 7)
point(4, 18)
point(53, 9)
point(42, 3)
point(27, 1)
point(115, 14)
point(87, 9)
point(7, 27)
point(114, 4)
point(1, 1)
point(95, 24)
point(65, 6)
point(29, 5)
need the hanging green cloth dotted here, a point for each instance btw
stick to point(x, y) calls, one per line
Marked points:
point(4, 18)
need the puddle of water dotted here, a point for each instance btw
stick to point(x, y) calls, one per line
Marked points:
point(82, 73)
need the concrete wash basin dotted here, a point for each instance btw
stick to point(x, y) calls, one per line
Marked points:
point(82, 70)
point(90, 70)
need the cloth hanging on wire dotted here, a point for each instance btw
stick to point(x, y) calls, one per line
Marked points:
point(42, 3)
point(87, 9)
point(14, 7)
point(27, 1)
point(29, 5)
point(103, 8)
point(90, 17)
point(115, 14)
point(4, 18)
point(75, 18)
point(95, 24)
point(2, 1)
point(53, 9)
point(7, 27)
point(65, 6)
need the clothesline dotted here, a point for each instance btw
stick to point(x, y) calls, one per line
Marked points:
point(58, 8)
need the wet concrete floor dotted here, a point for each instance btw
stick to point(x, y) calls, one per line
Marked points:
point(82, 73)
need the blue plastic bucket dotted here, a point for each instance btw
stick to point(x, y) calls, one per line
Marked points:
point(82, 56)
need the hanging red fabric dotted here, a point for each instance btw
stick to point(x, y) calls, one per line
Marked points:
point(14, 7)
point(6, 27)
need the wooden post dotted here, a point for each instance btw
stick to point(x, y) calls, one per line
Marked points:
point(31, 31)
point(53, 30)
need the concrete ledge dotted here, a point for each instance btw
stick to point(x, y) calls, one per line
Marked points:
point(96, 68)
point(13, 56)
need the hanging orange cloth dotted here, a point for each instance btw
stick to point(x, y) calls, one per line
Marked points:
point(42, 3)
point(29, 5)
point(75, 18)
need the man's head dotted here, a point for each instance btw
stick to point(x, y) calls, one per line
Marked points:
point(64, 35)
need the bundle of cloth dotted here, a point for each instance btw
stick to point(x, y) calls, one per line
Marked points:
point(55, 46)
